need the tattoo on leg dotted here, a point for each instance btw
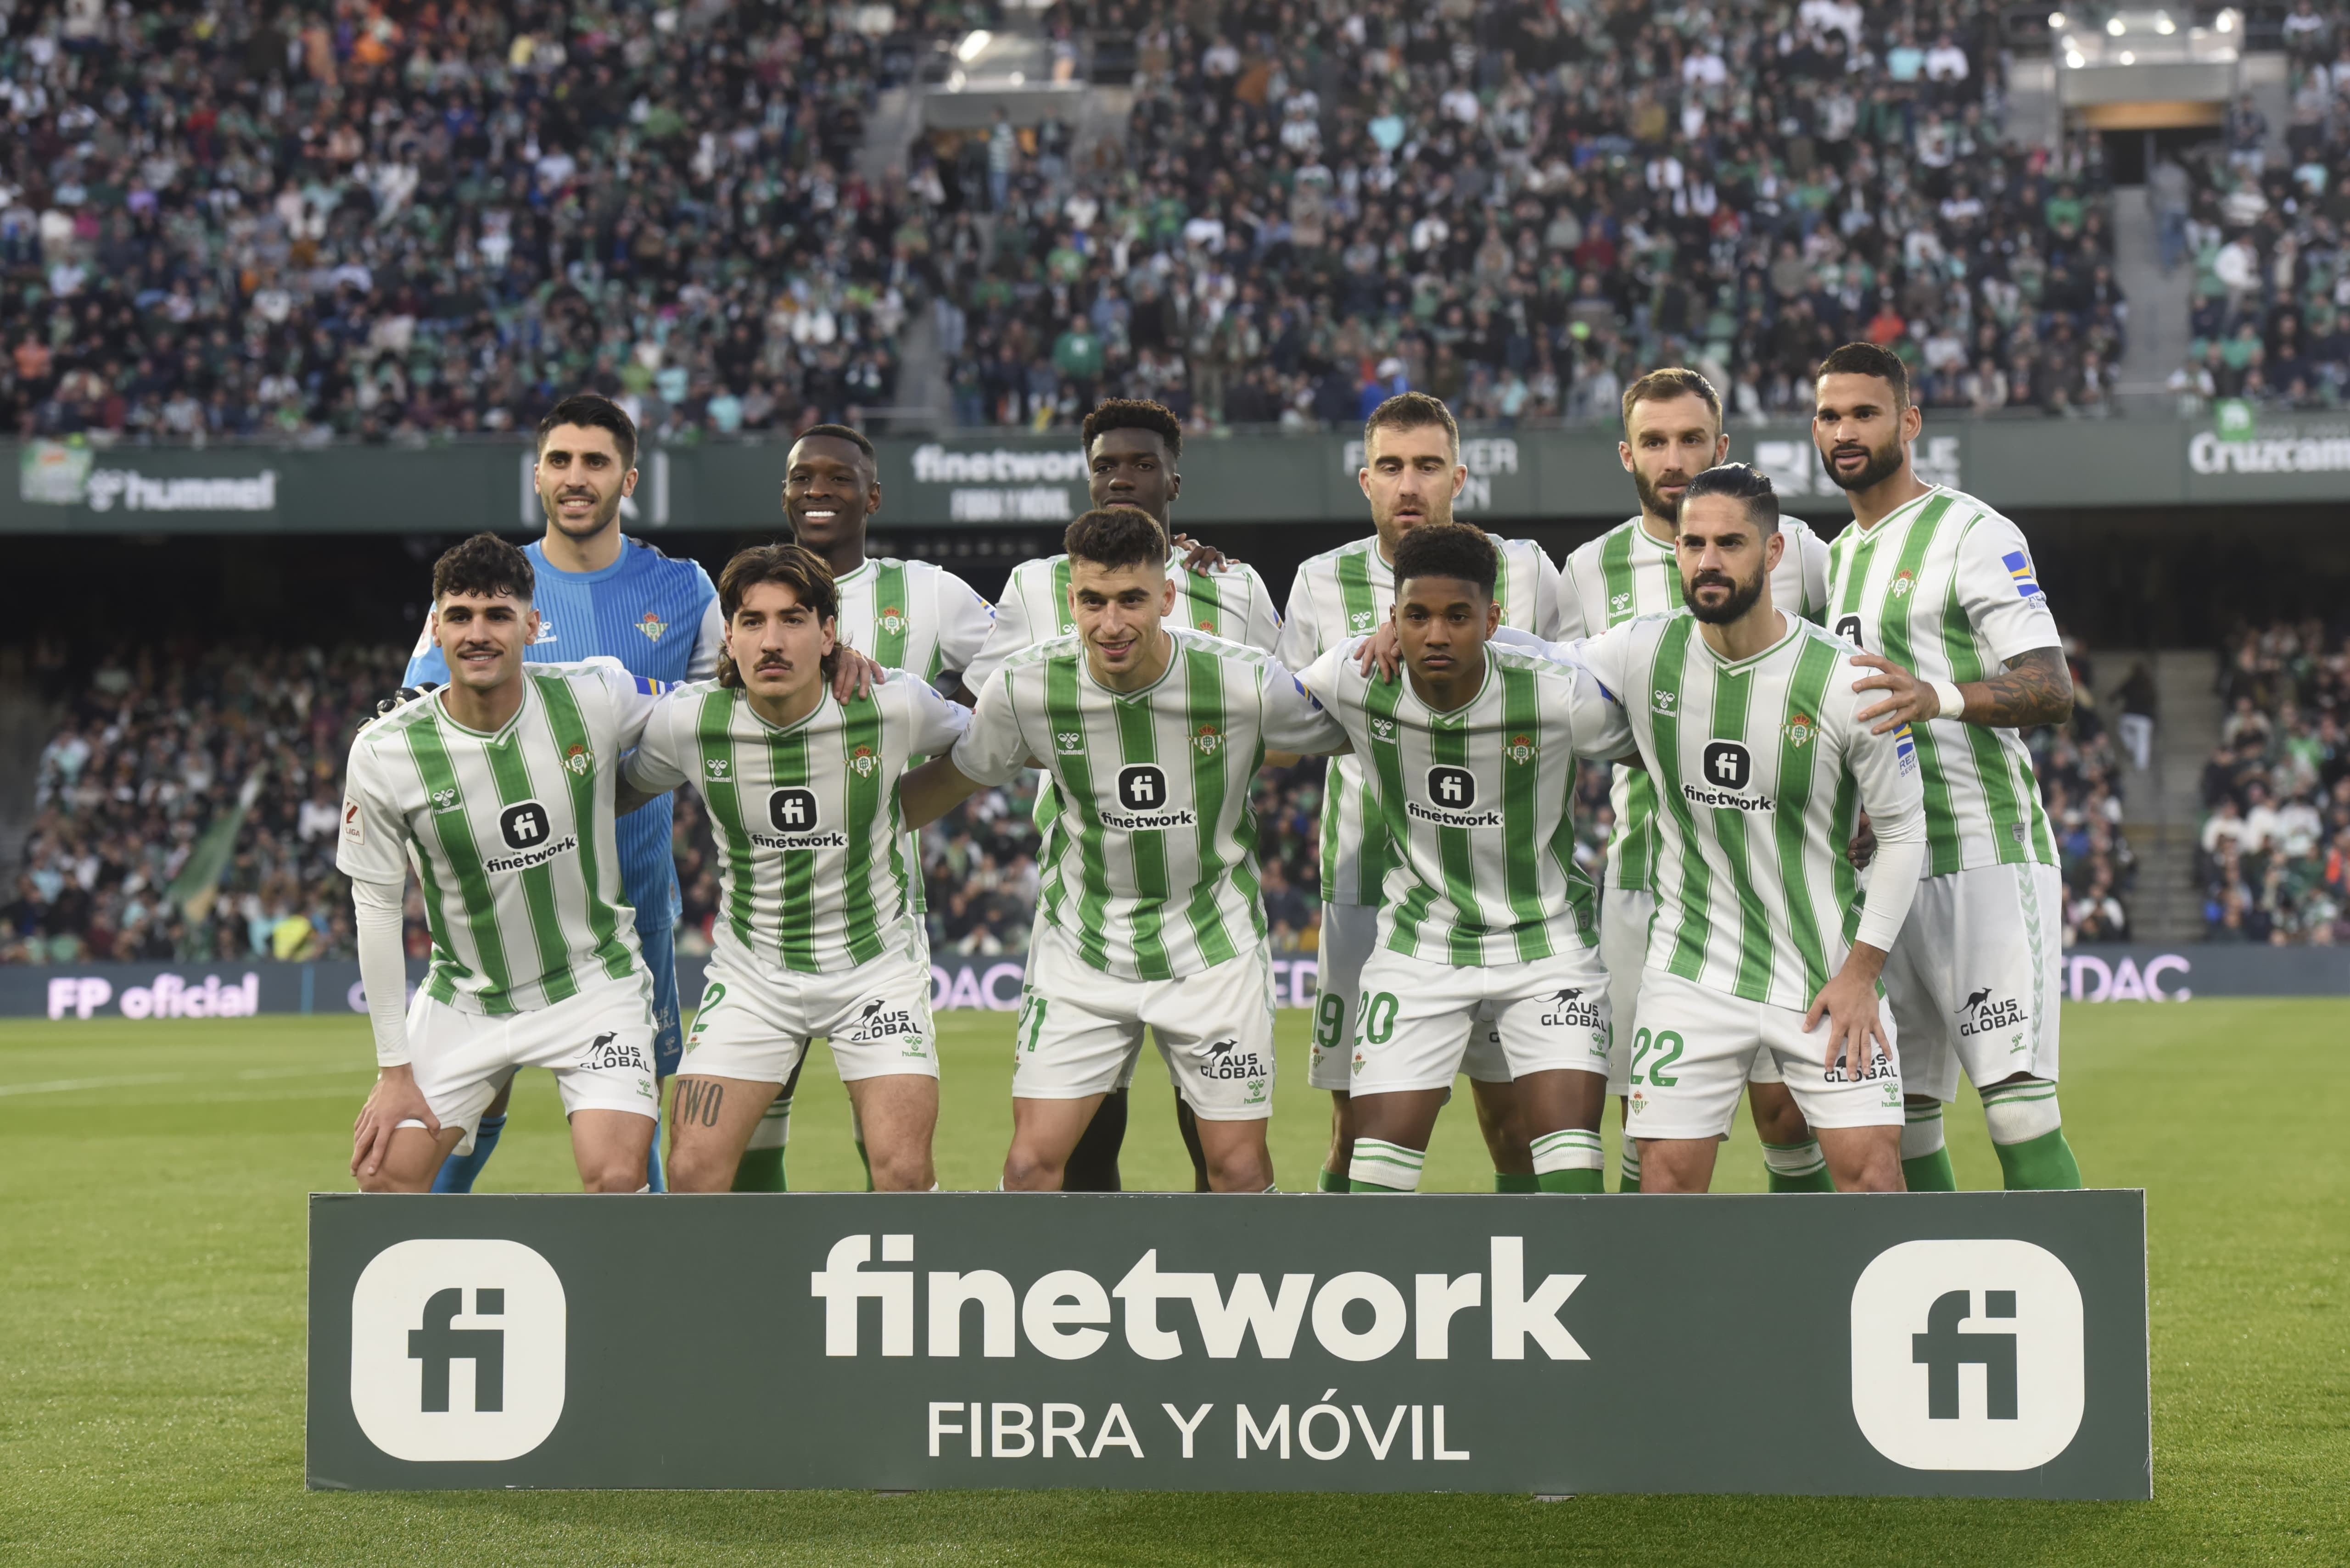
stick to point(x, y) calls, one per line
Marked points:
point(2036, 688)
point(698, 1101)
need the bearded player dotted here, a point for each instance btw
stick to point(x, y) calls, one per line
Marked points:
point(1939, 592)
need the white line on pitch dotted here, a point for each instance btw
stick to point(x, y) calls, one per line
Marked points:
point(131, 1080)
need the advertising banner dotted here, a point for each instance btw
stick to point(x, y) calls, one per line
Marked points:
point(1944, 1344)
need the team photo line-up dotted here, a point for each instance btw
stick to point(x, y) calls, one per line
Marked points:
point(1829, 885)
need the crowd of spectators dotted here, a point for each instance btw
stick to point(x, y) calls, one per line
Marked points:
point(1518, 205)
point(2267, 237)
point(187, 809)
point(375, 220)
point(2274, 856)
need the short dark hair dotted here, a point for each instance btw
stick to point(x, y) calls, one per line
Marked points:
point(1662, 386)
point(1448, 550)
point(1134, 414)
point(1868, 360)
point(1411, 411)
point(592, 409)
point(1115, 536)
point(801, 570)
point(842, 433)
point(1741, 482)
point(484, 565)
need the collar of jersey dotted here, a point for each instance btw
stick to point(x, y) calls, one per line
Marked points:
point(846, 578)
point(1455, 714)
point(1640, 530)
point(490, 737)
point(1870, 535)
point(1796, 625)
point(802, 723)
point(537, 551)
point(1085, 668)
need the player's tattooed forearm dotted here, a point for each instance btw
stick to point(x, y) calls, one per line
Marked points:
point(2036, 688)
point(698, 1100)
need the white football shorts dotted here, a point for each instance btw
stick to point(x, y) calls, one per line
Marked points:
point(1547, 1016)
point(755, 1021)
point(1349, 933)
point(598, 1042)
point(1976, 975)
point(1695, 1046)
point(1080, 1030)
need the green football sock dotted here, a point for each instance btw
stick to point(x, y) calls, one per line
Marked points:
point(1513, 1181)
point(1925, 1160)
point(1798, 1167)
point(1930, 1173)
point(2043, 1164)
point(1586, 1179)
point(762, 1170)
point(1331, 1182)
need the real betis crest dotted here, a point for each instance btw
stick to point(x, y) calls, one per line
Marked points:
point(864, 761)
point(578, 759)
point(1521, 749)
point(1208, 625)
point(1207, 739)
point(652, 626)
point(1903, 584)
point(893, 619)
point(716, 767)
point(1801, 729)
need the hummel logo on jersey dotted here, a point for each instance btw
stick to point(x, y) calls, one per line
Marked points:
point(1141, 787)
point(1069, 742)
point(652, 626)
point(523, 825)
point(717, 768)
point(1383, 729)
point(1619, 603)
point(446, 798)
point(792, 810)
point(1663, 702)
point(1454, 789)
point(545, 633)
point(1360, 620)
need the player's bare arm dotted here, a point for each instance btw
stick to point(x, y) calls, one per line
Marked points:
point(2035, 688)
point(932, 790)
point(1848, 1002)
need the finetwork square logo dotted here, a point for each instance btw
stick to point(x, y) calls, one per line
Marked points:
point(1967, 1355)
point(457, 1350)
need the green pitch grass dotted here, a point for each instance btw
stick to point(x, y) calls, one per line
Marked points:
point(151, 1213)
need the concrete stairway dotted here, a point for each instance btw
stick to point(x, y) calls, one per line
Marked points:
point(2159, 331)
point(2164, 806)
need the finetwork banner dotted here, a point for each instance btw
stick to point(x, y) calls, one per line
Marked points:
point(1952, 1344)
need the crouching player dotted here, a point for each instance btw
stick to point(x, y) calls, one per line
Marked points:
point(1470, 764)
point(500, 789)
point(816, 934)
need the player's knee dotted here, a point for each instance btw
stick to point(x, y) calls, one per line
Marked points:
point(693, 1170)
point(1025, 1171)
point(385, 1180)
point(900, 1169)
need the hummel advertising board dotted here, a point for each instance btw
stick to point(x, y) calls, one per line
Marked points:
point(1964, 1345)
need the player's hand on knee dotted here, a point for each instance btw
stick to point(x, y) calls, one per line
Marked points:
point(1382, 650)
point(394, 1099)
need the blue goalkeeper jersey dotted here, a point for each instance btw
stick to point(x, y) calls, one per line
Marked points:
point(656, 616)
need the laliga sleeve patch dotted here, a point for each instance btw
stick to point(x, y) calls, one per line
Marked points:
point(354, 823)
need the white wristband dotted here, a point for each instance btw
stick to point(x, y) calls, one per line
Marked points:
point(1954, 706)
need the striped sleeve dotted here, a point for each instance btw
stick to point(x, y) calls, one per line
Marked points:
point(1010, 627)
point(2000, 588)
point(1299, 640)
point(658, 764)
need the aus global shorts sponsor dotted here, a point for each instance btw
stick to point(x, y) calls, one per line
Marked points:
point(1576, 1007)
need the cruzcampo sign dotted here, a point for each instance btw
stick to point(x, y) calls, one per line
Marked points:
point(1978, 1345)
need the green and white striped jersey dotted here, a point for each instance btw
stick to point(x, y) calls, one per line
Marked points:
point(1342, 594)
point(511, 835)
point(1233, 604)
point(1761, 772)
point(1150, 866)
point(912, 616)
point(1945, 588)
point(1476, 802)
point(1624, 573)
point(814, 867)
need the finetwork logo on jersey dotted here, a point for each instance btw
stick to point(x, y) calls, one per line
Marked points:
point(793, 813)
point(1452, 800)
point(529, 831)
point(458, 1350)
point(1968, 1354)
point(1142, 795)
point(1725, 770)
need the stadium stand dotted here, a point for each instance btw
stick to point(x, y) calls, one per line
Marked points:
point(1517, 208)
point(389, 221)
point(2273, 859)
